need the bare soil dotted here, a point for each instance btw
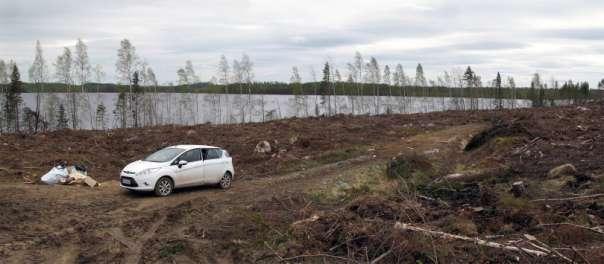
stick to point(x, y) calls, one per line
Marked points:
point(323, 194)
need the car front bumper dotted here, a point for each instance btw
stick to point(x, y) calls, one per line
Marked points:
point(136, 183)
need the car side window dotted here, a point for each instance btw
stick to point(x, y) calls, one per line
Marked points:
point(191, 155)
point(209, 154)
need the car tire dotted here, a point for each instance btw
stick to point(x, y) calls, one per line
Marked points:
point(226, 180)
point(164, 186)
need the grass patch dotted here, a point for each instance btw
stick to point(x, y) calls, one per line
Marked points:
point(508, 201)
point(457, 193)
point(171, 249)
point(339, 155)
point(352, 183)
point(409, 166)
point(460, 225)
point(327, 157)
point(264, 230)
point(506, 142)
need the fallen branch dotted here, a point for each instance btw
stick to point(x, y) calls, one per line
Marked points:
point(527, 146)
point(473, 175)
point(593, 229)
point(376, 260)
point(570, 198)
point(478, 241)
point(274, 251)
point(580, 255)
point(319, 255)
point(430, 199)
point(549, 249)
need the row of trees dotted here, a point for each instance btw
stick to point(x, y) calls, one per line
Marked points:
point(366, 84)
point(464, 89)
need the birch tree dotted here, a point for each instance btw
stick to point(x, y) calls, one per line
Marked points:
point(193, 78)
point(100, 116)
point(358, 64)
point(387, 77)
point(223, 71)
point(38, 75)
point(373, 76)
point(183, 80)
point(81, 64)
point(62, 120)
point(153, 109)
point(82, 69)
point(125, 67)
point(190, 71)
point(64, 70)
point(511, 84)
point(126, 63)
point(223, 79)
point(536, 92)
point(99, 76)
point(299, 99)
point(237, 78)
point(247, 74)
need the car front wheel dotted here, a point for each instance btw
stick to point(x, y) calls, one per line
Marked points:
point(226, 180)
point(164, 186)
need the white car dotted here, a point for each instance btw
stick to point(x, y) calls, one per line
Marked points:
point(179, 166)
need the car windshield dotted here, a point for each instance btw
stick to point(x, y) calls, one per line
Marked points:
point(164, 155)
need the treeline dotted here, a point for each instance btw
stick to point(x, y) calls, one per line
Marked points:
point(567, 90)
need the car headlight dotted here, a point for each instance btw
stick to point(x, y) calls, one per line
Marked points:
point(147, 172)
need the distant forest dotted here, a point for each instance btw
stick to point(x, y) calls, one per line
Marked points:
point(567, 91)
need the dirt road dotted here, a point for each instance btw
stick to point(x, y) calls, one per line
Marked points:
point(67, 224)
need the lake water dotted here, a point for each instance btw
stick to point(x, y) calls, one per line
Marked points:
point(186, 108)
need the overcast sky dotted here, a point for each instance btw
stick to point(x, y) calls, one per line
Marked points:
point(557, 38)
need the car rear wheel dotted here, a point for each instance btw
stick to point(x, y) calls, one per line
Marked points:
point(164, 186)
point(226, 180)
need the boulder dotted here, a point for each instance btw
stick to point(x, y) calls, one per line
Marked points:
point(562, 170)
point(263, 147)
point(518, 188)
point(293, 140)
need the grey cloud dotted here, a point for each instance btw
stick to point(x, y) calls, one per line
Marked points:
point(167, 33)
point(488, 45)
point(596, 33)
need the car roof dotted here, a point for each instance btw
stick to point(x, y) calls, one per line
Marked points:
point(188, 147)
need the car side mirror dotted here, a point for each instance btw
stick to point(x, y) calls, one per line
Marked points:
point(182, 163)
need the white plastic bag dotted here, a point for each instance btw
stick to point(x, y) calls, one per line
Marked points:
point(55, 175)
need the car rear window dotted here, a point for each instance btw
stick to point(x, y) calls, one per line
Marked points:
point(212, 154)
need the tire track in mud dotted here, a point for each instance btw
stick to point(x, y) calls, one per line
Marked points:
point(134, 246)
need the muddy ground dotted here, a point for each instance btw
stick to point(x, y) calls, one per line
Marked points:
point(332, 190)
